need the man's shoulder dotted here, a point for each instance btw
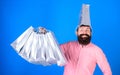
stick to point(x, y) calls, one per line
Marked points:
point(70, 43)
point(95, 46)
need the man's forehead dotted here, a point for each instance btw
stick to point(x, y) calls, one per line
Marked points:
point(87, 27)
point(84, 26)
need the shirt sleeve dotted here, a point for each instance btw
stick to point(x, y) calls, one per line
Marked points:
point(65, 48)
point(103, 63)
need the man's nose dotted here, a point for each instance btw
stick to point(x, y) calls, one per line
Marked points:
point(84, 32)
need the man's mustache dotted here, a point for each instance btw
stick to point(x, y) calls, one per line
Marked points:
point(83, 35)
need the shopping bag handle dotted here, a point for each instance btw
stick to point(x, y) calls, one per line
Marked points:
point(40, 30)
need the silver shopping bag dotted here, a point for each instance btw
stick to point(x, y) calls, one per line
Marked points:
point(60, 58)
point(34, 48)
point(50, 57)
point(40, 55)
point(39, 48)
point(26, 50)
point(21, 40)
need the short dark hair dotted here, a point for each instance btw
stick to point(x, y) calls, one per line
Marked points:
point(84, 26)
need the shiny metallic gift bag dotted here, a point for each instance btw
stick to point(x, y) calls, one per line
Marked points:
point(39, 48)
point(60, 58)
point(50, 58)
point(19, 42)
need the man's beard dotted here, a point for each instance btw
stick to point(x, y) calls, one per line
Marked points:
point(84, 40)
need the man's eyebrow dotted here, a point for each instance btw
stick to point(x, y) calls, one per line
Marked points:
point(88, 27)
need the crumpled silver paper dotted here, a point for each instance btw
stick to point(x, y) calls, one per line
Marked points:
point(39, 48)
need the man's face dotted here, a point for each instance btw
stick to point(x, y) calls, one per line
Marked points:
point(84, 35)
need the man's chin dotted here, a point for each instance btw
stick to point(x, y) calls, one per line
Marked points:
point(84, 40)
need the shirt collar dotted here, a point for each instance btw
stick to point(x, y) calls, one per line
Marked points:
point(88, 45)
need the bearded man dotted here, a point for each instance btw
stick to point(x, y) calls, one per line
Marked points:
point(82, 55)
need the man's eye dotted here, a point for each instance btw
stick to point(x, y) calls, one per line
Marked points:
point(81, 30)
point(88, 30)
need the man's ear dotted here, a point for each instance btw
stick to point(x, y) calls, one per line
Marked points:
point(76, 33)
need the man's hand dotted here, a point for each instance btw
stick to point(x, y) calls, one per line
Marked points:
point(42, 30)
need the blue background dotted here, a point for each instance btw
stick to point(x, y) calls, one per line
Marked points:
point(61, 17)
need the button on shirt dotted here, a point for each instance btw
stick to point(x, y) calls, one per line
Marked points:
point(82, 60)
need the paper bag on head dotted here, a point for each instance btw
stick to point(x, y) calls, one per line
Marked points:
point(85, 16)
